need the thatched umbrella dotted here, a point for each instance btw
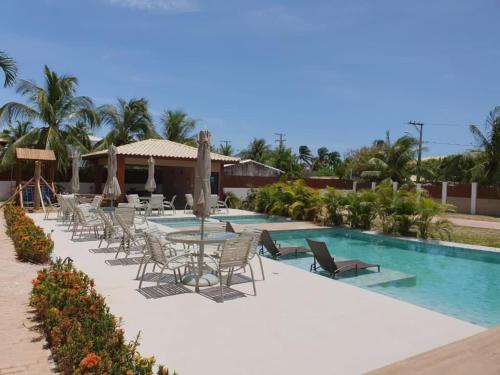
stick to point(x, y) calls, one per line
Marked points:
point(150, 183)
point(75, 170)
point(112, 187)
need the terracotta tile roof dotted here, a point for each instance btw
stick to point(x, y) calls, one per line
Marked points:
point(34, 154)
point(161, 148)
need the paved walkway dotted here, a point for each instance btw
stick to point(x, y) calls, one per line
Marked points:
point(478, 354)
point(474, 223)
point(21, 346)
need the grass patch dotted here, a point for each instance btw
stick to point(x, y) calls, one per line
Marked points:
point(476, 236)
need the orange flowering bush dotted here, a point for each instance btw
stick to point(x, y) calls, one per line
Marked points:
point(85, 338)
point(30, 241)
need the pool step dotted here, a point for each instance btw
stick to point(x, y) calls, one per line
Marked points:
point(386, 277)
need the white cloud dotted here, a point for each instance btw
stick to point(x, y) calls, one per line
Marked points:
point(164, 5)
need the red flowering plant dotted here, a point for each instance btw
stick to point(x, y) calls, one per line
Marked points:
point(30, 241)
point(84, 336)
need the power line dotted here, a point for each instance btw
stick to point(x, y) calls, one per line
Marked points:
point(449, 144)
point(280, 140)
point(420, 128)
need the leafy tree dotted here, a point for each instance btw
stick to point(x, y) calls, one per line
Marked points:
point(489, 142)
point(305, 155)
point(283, 158)
point(178, 127)
point(19, 135)
point(225, 149)
point(57, 107)
point(258, 150)
point(393, 160)
point(9, 67)
point(129, 121)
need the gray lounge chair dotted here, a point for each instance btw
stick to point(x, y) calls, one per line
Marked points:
point(328, 263)
point(277, 251)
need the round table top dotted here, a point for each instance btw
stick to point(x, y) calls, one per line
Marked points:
point(194, 237)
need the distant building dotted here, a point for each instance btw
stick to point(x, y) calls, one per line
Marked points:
point(251, 168)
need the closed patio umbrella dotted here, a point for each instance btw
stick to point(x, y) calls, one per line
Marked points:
point(201, 204)
point(150, 183)
point(112, 187)
point(75, 170)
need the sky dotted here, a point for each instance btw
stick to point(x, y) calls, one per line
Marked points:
point(324, 72)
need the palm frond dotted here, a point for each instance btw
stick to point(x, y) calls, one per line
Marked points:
point(9, 67)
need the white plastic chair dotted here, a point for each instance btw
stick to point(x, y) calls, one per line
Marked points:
point(136, 201)
point(155, 203)
point(170, 205)
point(189, 202)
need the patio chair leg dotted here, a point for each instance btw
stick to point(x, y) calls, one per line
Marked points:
point(142, 275)
point(261, 266)
point(159, 277)
point(221, 291)
point(253, 279)
point(140, 265)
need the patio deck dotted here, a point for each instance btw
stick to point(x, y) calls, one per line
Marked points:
point(298, 323)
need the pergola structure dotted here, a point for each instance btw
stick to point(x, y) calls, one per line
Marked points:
point(175, 163)
point(38, 156)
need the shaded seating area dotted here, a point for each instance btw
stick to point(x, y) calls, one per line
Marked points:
point(328, 264)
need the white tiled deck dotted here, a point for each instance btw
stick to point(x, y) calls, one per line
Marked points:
point(299, 323)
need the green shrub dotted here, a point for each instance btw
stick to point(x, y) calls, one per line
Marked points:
point(30, 241)
point(85, 338)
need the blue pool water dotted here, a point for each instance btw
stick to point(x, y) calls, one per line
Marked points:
point(458, 282)
point(239, 219)
point(252, 219)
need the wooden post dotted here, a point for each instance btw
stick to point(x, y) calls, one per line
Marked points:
point(221, 181)
point(38, 171)
point(120, 175)
point(18, 174)
point(444, 192)
point(473, 198)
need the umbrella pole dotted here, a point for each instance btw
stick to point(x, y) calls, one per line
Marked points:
point(200, 255)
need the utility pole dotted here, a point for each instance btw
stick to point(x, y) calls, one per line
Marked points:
point(420, 128)
point(281, 139)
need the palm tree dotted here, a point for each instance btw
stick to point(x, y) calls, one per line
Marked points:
point(57, 107)
point(225, 149)
point(178, 127)
point(9, 67)
point(19, 135)
point(305, 155)
point(393, 160)
point(129, 121)
point(78, 135)
point(489, 141)
point(258, 150)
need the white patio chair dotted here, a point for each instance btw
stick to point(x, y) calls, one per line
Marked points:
point(256, 233)
point(162, 254)
point(124, 217)
point(136, 201)
point(213, 200)
point(51, 207)
point(155, 203)
point(233, 257)
point(189, 202)
point(85, 219)
point(170, 205)
point(111, 231)
point(223, 204)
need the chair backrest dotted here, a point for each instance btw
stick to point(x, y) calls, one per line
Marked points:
point(156, 201)
point(256, 235)
point(106, 219)
point(214, 200)
point(126, 215)
point(234, 253)
point(322, 255)
point(155, 247)
point(189, 199)
point(133, 198)
point(173, 200)
point(96, 201)
point(268, 243)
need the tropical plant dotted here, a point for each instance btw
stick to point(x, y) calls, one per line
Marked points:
point(258, 150)
point(78, 135)
point(305, 156)
point(361, 209)
point(57, 107)
point(284, 159)
point(129, 121)
point(178, 127)
point(19, 135)
point(393, 160)
point(489, 142)
point(427, 210)
point(9, 68)
point(331, 210)
point(225, 149)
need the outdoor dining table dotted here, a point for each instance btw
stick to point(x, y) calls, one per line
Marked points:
point(193, 237)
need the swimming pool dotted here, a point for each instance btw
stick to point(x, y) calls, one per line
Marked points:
point(179, 222)
point(252, 219)
point(458, 282)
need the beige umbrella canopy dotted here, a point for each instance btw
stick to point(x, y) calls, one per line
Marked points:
point(75, 169)
point(112, 187)
point(203, 171)
point(151, 183)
